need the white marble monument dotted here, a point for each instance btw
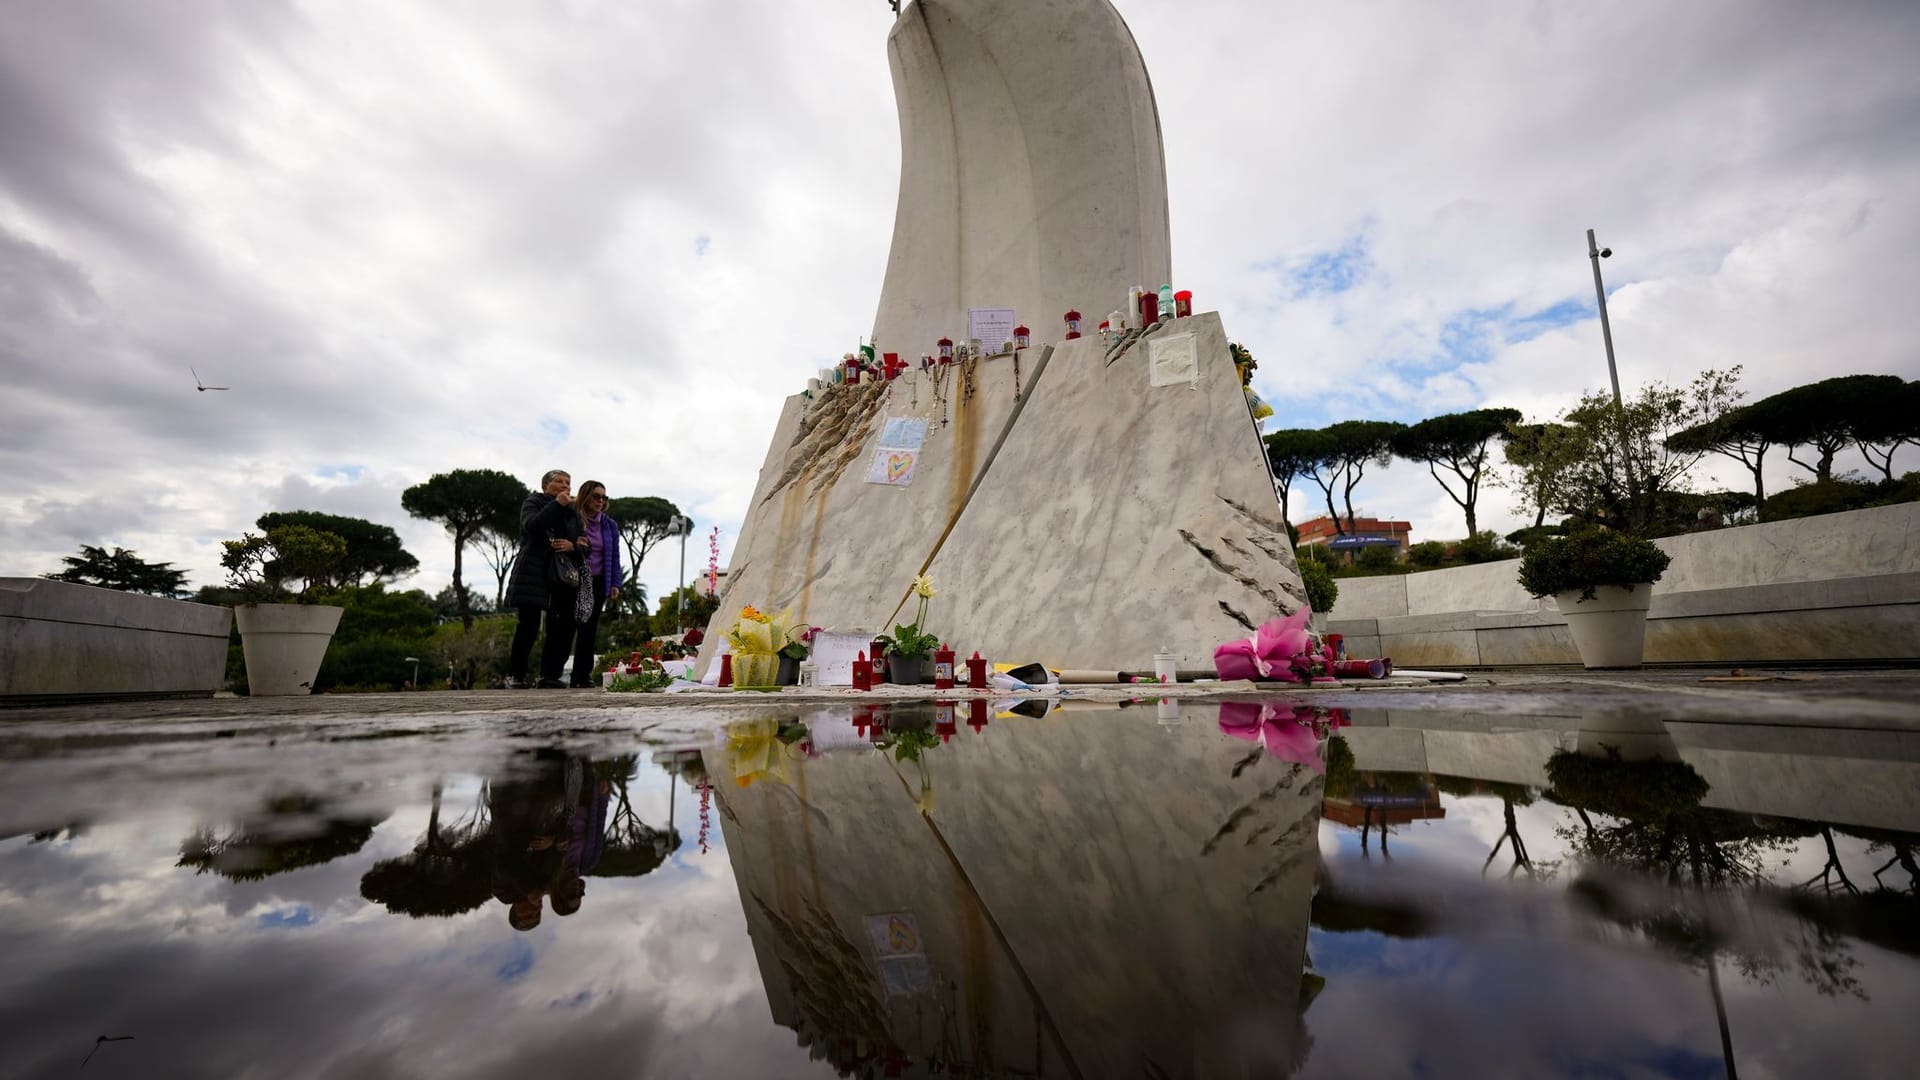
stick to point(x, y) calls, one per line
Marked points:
point(1077, 504)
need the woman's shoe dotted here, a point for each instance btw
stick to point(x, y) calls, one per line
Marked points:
point(552, 684)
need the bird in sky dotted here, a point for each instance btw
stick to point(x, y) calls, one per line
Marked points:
point(108, 1038)
point(203, 387)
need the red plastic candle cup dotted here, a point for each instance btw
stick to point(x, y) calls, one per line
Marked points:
point(1149, 310)
point(1022, 337)
point(726, 669)
point(862, 673)
point(1073, 325)
point(943, 667)
point(976, 672)
point(946, 350)
point(1183, 303)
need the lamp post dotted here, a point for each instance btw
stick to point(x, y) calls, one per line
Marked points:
point(1595, 253)
point(683, 525)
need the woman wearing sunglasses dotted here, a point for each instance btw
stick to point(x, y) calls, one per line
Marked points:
point(603, 566)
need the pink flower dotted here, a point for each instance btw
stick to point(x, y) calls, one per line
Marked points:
point(1276, 728)
point(1269, 653)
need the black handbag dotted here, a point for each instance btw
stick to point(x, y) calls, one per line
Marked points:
point(564, 570)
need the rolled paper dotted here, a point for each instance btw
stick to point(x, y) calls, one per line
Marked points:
point(1095, 678)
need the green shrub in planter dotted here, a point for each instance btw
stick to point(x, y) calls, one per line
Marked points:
point(1321, 590)
point(1588, 558)
point(1427, 554)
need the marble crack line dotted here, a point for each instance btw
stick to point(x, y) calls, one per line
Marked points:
point(1237, 616)
point(1251, 515)
point(1246, 580)
point(1252, 807)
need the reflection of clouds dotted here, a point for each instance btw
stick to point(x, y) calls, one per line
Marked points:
point(215, 979)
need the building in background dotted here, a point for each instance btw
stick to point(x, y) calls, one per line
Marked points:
point(1360, 533)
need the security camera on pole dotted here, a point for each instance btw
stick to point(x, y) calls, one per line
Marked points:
point(1596, 253)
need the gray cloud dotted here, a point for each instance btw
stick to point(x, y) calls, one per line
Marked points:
point(409, 238)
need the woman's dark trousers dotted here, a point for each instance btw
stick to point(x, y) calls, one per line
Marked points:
point(585, 635)
point(553, 653)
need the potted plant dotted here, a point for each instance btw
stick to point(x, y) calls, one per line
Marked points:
point(908, 646)
point(792, 653)
point(284, 634)
point(1602, 581)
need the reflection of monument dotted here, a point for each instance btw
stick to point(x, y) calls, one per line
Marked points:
point(1145, 916)
point(1079, 503)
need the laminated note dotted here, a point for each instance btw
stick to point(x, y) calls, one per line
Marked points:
point(903, 433)
point(1172, 361)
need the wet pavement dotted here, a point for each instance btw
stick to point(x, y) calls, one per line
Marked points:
point(1533, 875)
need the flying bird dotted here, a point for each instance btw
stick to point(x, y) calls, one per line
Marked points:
point(106, 1038)
point(203, 387)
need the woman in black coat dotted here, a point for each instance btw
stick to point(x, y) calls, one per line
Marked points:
point(550, 529)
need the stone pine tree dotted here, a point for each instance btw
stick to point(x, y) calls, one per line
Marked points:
point(1293, 453)
point(1348, 448)
point(1737, 434)
point(1890, 421)
point(373, 553)
point(1456, 442)
point(499, 544)
point(644, 521)
point(1821, 419)
point(464, 501)
point(122, 570)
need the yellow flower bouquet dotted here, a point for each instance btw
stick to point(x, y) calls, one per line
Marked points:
point(755, 640)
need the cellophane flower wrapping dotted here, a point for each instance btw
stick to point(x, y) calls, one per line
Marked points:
point(1282, 650)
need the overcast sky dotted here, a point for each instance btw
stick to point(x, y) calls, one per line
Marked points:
point(612, 237)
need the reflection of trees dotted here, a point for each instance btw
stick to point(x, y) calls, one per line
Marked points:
point(1659, 826)
point(1652, 823)
point(632, 847)
point(1510, 796)
point(448, 872)
point(292, 832)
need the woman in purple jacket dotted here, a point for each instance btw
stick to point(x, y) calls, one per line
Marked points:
point(603, 564)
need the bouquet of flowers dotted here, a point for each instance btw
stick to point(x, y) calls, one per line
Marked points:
point(755, 639)
point(1283, 650)
point(1288, 732)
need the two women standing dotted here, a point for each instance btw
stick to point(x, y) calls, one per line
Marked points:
point(568, 568)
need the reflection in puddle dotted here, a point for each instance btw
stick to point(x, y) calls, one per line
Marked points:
point(997, 889)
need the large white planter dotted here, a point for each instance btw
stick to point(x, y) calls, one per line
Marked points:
point(1610, 630)
point(284, 644)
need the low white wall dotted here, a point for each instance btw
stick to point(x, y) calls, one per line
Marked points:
point(1835, 587)
point(1858, 543)
point(58, 639)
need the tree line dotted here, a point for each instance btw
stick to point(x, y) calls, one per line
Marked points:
point(478, 508)
point(1626, 465)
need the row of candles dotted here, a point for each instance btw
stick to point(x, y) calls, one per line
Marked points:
point(870, 669)
point(1143, 306)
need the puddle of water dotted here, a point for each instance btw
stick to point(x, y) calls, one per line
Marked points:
point(1249, 889)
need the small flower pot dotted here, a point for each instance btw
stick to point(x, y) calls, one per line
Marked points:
point(1610, 630)
point(284, 645)
point(905, 671)
point(789, 673)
